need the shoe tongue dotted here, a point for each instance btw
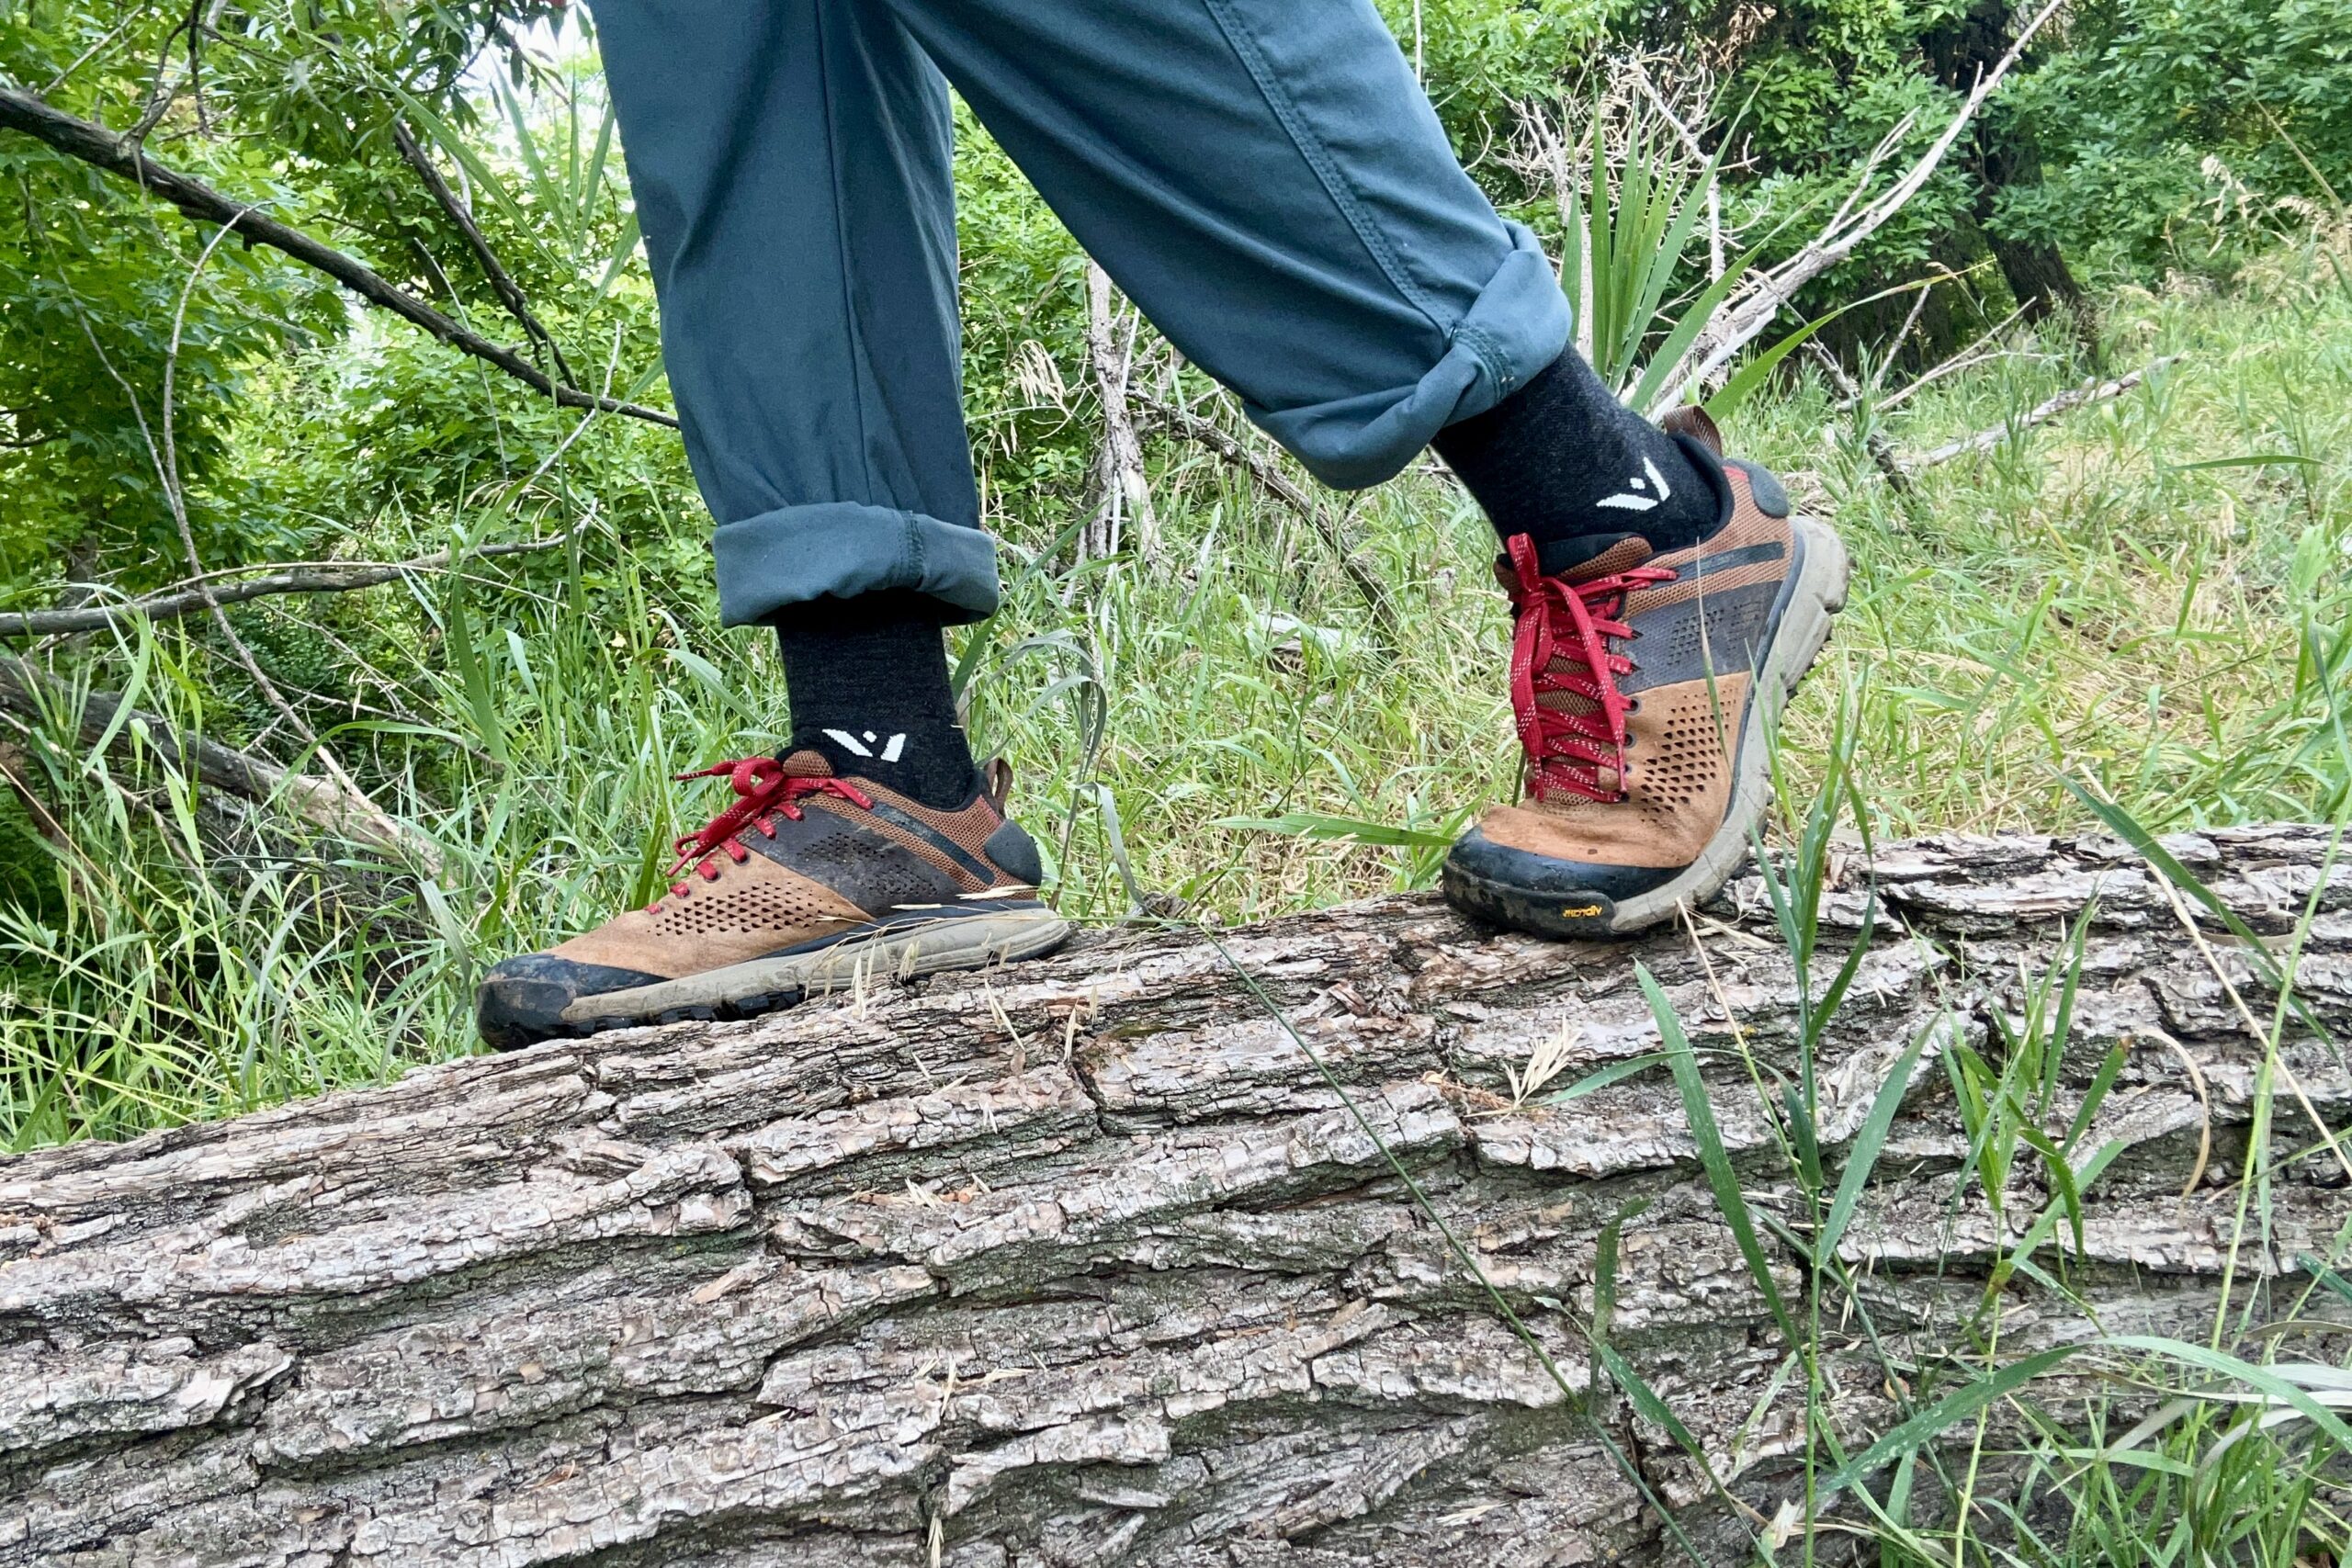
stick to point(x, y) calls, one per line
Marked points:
point(807, 763)
point(1582, 556)
point(1593, 554)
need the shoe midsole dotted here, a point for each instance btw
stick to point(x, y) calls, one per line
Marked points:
point(900, 950)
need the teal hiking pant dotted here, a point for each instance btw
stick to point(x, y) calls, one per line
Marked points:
point(1264, 178)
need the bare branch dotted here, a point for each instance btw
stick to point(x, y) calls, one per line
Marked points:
point(1126, 491)
point(1874, 440)
point(1977, 353)
point(1760, 301)
point(2042, 413)
point(501, 282)
point(136, 15)
point(351, 798)
point(1208, 434)
point(99, 147)
point(329, 577)
point(160, 95)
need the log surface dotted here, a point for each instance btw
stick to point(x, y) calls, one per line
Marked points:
point(1084, 1262)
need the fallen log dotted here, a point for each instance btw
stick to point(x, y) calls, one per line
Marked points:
point(1087, 1262)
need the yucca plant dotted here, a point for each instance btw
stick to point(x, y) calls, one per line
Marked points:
point(1621, 243)
point(1625, 232)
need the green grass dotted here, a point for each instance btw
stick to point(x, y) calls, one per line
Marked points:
point(2084, 600)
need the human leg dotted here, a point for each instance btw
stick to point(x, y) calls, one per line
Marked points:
point(1267, 182)
point(790, 161)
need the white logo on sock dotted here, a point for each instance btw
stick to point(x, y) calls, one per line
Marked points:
point(857, 748)
point(1631, 499)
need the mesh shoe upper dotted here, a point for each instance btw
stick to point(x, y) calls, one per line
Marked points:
point(811, 859)
point(1632, 675)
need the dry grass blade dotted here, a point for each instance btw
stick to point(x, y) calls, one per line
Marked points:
point(2204, 1107)
point(2255, 1031)
point(1545, 1063)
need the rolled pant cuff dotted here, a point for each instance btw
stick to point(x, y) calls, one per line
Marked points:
point(1518, 325)
point(841, 549)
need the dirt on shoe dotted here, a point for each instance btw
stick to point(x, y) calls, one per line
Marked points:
point(806, 883)
point(1642, 683)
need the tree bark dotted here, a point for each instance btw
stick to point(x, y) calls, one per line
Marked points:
point(1085, 1262)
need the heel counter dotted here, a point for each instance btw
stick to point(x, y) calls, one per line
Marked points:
point(1012, 851)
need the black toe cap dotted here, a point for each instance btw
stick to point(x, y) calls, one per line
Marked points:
point(1576, 900)
point(523, 999)
point(1475, 855)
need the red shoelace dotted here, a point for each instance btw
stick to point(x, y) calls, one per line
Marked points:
point(764, 791)
point(1569, 624)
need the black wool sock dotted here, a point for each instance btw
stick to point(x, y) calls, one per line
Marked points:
point(1561, 457)
point(869, 683)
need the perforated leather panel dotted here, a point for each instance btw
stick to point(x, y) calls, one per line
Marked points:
point(1678, 762)
point(762, 906)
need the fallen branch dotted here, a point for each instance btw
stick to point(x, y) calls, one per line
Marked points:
point(1980, 352)
point(1268, 477)
point(1127, 490)
point(1874, 440)
point(2041, 414)
point(302, 577)
point(36, 695)
point(101, 148)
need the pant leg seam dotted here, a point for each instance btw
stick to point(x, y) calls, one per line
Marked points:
point(840, 255)
point(1490, 355)
point(1318, 157)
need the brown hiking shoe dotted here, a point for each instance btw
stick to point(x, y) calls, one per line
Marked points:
point(806, 882)
point(1641, 683)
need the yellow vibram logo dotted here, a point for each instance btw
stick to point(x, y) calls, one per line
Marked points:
point(1587, 911)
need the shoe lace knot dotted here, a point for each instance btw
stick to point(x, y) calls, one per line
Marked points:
point(764, 791)
point(1560, 649)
